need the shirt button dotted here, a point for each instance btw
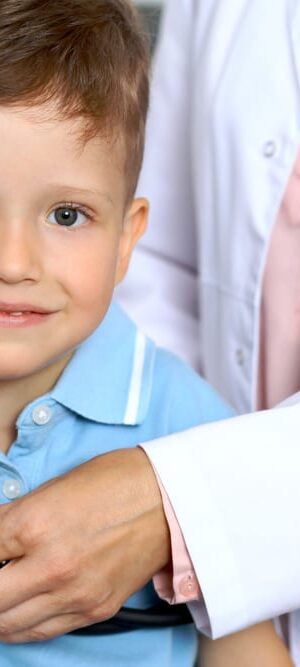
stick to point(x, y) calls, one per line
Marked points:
point(41, 414)
point(189, 587)
point(12, 488)
point(240, 357)
point(269, 149)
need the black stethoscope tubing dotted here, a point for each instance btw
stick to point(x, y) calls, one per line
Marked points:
point(161, 615)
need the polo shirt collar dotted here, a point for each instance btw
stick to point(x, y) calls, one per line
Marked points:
point(109, 377)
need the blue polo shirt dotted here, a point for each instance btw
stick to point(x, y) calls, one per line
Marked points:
point(118, 390)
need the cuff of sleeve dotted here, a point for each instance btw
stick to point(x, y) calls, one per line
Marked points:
point(177, 583)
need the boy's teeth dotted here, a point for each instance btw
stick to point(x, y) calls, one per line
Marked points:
point(13, 313)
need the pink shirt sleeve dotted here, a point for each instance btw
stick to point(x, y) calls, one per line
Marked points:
point(176, 583)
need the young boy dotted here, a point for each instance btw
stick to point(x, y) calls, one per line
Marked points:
point(75, 373)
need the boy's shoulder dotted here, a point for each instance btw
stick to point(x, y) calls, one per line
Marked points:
point(118, 376)
point(172, 396)
point(187, 399)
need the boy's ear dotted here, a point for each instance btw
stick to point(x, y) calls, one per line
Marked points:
point(135, 224)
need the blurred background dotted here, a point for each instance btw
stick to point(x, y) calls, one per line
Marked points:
point(150, 11)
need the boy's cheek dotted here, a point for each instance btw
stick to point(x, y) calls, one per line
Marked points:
point(92, 295)
point(86, 277)
point(89, 272)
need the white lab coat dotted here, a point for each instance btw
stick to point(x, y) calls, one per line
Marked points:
point(223, 134)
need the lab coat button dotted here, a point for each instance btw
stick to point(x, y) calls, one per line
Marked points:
point(269, 149)
point(12, 488)
point(41, 415)
point(189, 587)
point(240, 357)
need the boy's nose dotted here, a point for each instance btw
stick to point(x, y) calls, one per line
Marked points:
point(18, 254)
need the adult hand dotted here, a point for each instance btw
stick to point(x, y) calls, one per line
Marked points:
point(79, 546)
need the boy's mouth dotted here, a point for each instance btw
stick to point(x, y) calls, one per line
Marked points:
point(21, 315)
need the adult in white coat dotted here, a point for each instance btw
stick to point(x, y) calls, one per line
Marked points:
point(223, 137)
point(216, 279)
point(227, 93)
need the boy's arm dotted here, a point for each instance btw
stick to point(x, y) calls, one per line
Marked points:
point(259, 646)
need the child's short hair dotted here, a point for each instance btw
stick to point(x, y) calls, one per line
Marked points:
point(90, 56)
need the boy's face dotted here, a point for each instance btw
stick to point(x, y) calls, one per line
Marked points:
point(64, 237)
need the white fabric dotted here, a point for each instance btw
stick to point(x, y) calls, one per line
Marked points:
point(235, 492)
point(225, 95)
point(223, 134)
point(133, 402)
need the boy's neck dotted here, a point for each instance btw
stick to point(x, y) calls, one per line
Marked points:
point(16, 394)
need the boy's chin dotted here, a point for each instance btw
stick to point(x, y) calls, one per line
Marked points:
point(18, 367)
point(9, 372)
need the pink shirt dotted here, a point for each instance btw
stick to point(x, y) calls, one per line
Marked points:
point(280, 307)
point(279, 365)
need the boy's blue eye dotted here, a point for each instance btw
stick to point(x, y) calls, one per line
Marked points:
point(67, 216)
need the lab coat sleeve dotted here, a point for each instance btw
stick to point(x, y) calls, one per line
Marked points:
point(234, 486)
point(160, 291)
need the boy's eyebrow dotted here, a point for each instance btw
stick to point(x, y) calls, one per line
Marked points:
point(82, 191)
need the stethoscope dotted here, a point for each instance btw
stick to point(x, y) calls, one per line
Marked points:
point(161, 615)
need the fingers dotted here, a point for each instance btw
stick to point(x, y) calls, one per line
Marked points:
point(49, 615)
point(49, 629)
point(80, 603)
point(21, 580)
point(45, 610)
point(25, 616)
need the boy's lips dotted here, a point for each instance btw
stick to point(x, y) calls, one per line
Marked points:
point(19, 315)
point(23, 308)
